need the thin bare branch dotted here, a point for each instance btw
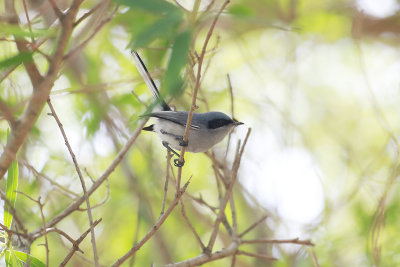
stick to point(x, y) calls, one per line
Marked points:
point(12, 232)
point(196, 89)
point(259, 256)
point(75, 205)
point(14, 213)
point(78, 171)
point(95, 31)
point(41, 85)
point(279, 241)
point(46, 241)
point(233, 262)
point(56, 10)
point(167, 177)
point(45, 177)
point(90, 12)
point(204, 258)
point(228, 192)
point(203, 247)
point(234, 216)
point(155, 227)
point(64, 234)
point(7, 113)
point(75, 245)
point(251, 227)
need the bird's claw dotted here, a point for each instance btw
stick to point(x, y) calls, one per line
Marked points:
point(179, 164)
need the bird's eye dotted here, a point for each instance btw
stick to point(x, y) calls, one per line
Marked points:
point(217, 123)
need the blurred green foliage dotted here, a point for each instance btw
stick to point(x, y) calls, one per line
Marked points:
point(300, 73)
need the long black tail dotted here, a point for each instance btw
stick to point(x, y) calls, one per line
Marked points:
point(148, 80)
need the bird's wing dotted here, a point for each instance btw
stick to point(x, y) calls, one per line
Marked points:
point(178, 117)
point(148, 80)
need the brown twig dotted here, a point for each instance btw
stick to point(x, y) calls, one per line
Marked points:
point(62, 233)
point(203, 247)
point(259, 256)
point(41, 85)
point(204, 258)
point(28, 20)
point(228, 77)
point(11, 232)
point(234, 216)
point(228, 192)
point(75, 245)
point(167, 177)
point(153, 229)
point(13, 211)
point(136, 236)
point(201, 201)
point(7, 113)
point(56, 10)
point(43, 176)
point(251, 227)
point(233, 262)
point(90, 12)
point(279, 241)
point(75, 205)
point(95, 31)
point(7, 73)
point(196, 89)
point(46, 241)
point(78, 170)
point(105, 199)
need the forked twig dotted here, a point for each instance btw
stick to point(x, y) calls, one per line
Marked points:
point(75, 245)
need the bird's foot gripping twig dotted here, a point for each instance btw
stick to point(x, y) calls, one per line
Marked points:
point(177, 163)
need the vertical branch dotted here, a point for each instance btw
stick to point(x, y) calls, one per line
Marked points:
point(78, 170)
point(46, 244)
point(29, 21)
point(167, 176)
point(221, 214)
point(196, 89)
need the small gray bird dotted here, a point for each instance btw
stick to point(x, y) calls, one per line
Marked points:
point(206, 129)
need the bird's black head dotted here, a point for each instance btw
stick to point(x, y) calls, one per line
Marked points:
point(218, 119)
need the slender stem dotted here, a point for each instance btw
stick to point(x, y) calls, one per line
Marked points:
point(196, 89)
point(78, 170)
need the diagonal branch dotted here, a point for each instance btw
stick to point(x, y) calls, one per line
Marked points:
point(41, 85)
point(75, 205)
point(75, 245)
point(155, 227)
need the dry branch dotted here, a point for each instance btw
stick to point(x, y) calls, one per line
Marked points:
point(41, 85)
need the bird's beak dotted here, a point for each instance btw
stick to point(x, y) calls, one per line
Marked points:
point(237, 123)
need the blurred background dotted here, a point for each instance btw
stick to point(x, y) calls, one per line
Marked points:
point(317, 81)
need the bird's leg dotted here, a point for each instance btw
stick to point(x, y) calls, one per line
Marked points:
point(177, 163)
point(179, 138)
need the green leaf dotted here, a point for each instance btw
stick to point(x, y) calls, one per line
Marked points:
point(18, 32)
point(17, 258)
point(12, 260)
point(11, 194)
point(172, 81)
point(154, 6)
point(163, 27)
point(16, 60)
